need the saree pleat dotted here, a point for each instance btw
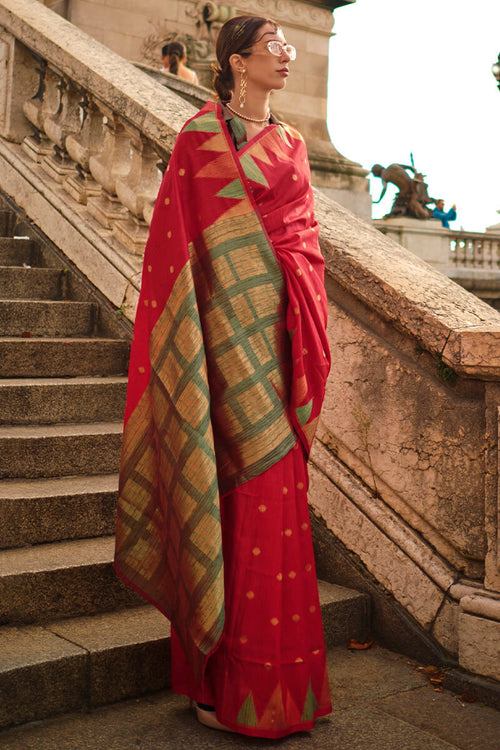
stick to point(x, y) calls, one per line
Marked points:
point(268, 675)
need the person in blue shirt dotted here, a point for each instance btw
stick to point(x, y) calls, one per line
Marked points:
point(445, 216)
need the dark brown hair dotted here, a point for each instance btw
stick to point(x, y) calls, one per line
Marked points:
point(235, 38)
point(176, 52)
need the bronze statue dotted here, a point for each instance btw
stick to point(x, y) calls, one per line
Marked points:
point(412, 198)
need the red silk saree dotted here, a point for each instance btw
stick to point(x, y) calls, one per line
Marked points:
point(227, 374)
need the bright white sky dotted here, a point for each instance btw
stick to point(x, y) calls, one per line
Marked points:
point(415, 77)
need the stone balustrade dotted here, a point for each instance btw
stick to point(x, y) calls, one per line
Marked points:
point(474, 250)
point(100, 129)
point(444, 248)
point(405, 469)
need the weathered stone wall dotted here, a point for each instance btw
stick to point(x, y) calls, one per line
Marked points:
point(405, 468)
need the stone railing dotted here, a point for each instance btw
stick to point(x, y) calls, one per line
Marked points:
point(474, 250)
point(405, 469)
point(445, 249)
point(95, 129)
point(471, 259)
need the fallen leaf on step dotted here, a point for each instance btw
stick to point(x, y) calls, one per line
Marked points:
point(431, 669)
point(467, 698)
point(26, 335)
point(355, 645)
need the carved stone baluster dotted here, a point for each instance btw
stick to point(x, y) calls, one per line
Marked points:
point(81, 146)
point(112, 162)
point(149, 205)
point(478, 261)
point(137, 190)
point(462, 252)
point(453, 248)
point(495, 252)
point(18, 76)
point(469, 253)
point(37, 146)
point(58, 126)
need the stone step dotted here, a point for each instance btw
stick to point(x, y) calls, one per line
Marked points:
point(15, 251)
point(34, 511)
point(7, 221)
point(80, 663)
point(17, 282)
point(60, 579)
point(58, 358)
point(28, 318)
point(59, 450)
point(56, 400)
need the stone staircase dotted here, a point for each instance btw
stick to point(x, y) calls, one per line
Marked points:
point(72, 636)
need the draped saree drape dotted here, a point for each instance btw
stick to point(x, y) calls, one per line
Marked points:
point(227, 374)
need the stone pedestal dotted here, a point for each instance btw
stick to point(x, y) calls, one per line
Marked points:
point(424, 237)
point(479, 634)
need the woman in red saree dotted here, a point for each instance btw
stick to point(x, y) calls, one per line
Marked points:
point(228, 368)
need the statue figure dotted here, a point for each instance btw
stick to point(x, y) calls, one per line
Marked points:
point(412, 198)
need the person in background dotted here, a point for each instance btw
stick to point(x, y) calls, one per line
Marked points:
point(174, 57)
point(444, 216)
point(227, 377)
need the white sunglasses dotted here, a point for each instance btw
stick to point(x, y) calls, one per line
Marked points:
point(277, 48)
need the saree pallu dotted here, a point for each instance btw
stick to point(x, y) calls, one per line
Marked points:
point(228, 367)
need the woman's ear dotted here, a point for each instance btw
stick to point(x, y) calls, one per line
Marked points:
point(237, 63)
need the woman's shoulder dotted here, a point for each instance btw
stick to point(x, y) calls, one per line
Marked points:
point(205, 118)
point(290, 130)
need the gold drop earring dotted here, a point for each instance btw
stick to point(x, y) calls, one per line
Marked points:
point(243, 88)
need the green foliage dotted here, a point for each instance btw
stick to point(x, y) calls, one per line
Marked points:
point(446, 373)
